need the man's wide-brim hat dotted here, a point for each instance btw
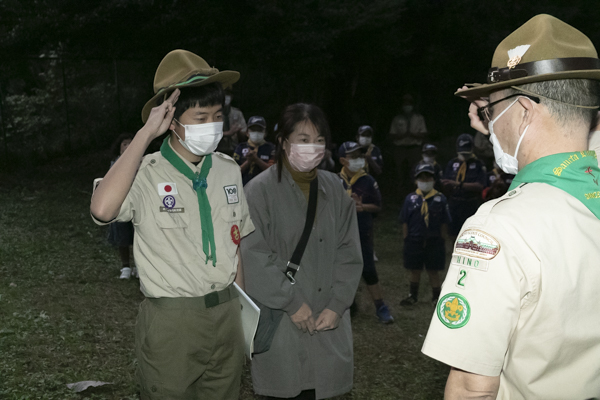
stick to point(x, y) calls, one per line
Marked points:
point(543, 49)
point(181, 68)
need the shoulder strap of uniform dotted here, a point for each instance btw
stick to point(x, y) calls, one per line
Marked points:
point(478, 220)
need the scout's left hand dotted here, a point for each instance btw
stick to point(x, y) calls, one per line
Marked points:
point(327, 320)
point(358, 202)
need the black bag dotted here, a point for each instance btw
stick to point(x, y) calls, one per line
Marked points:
point(270, 318)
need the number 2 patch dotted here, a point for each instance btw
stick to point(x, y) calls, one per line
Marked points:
point(231, 192)
point(461, 279)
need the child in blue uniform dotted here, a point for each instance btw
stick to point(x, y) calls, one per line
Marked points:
point(257, 154)
point(429, 153)
point(464, 179)
point(363, 188)
point(373, 157)
point(424, 219)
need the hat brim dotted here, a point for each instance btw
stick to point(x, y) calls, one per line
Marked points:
point(484, 90)
point(226, 78)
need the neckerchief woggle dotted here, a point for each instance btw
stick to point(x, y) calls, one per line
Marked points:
point(351, 181)
point(199, 184)
point(576, 173)
point(424, 205)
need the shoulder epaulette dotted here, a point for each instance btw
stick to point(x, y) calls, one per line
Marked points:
point(483, 212)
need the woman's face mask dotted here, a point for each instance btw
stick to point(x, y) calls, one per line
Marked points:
point(305, 157)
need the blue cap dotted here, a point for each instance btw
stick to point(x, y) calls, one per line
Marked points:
point(349, 147)
point(464, 143)
point(424, 167)
point(429, 147)
point(364, 128)
point(257, 120)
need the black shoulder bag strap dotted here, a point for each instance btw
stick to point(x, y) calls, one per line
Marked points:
point(294, 264)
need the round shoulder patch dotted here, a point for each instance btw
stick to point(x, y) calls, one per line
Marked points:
point(453, 310)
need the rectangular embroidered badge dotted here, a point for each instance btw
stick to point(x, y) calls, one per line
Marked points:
point(167, 188)
point(463, 261)
point(172, 210)
point(232, 194)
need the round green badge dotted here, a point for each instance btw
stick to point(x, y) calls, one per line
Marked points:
point(453, 310)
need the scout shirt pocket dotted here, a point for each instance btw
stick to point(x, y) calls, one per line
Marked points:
point(172, 233)
point(231, 219)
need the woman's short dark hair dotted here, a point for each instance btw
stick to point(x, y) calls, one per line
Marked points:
point(198, 96)
point(115, 148)
point(291, 117)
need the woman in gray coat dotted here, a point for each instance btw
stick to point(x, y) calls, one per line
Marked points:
point(311, 354)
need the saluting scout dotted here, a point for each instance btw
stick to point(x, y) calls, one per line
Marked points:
point(518, 316)
point(190, 213)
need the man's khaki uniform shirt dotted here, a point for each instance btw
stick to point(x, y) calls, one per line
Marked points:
point(168, 234)
point(401, 126)
point(522, 297)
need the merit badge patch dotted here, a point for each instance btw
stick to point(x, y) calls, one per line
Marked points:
point(169, 201)
point(232, 194)
point(478, 244)
point(235, 235)
point(453, 310)
point(167, 188)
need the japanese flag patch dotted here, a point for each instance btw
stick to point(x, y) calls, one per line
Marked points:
point(167, 189)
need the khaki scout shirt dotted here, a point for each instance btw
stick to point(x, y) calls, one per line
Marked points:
point(168, 234)
point(522, 297)
point(401, 126)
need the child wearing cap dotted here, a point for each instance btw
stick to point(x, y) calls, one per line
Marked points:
point(364, 190)
point(463, 181)
point(255, 155)
point(373, 157)
point(429, 153)
point(424, 219)
point(190, 213)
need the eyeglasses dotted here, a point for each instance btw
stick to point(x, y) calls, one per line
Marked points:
point(484, 112)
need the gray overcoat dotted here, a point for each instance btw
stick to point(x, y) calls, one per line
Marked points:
point(328, 277)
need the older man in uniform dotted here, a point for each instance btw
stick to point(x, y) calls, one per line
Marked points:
point(518, 317)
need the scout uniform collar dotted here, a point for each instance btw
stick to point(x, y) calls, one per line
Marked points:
point(199, 184)
point(351, 181)
point(576, 173)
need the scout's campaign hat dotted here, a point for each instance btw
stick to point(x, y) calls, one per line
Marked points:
point(257, 120)
point(350, 147)
point(429, 147)
point(363, 129)
point(424, 167)
point(181, 68)
point(542, 49)
point(464, 143)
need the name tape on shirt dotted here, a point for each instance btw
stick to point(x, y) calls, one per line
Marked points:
point(462, 261)
point(477, 244)
point(232, 194)
point(167, 188)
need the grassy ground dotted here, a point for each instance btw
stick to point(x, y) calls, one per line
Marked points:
point(66, 317)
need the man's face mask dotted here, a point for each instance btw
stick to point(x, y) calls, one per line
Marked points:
point(201, 139)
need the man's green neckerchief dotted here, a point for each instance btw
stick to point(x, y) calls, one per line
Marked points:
point(576, 173)
point(199, 185)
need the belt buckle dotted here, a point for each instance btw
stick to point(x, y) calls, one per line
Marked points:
point(211, 299)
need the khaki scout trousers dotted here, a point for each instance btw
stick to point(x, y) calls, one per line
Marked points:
point(186, 350)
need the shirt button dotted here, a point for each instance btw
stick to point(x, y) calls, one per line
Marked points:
point(153, 161)
point(212, 286)
point(234, 213)
point(320, 240)
point(319, 290)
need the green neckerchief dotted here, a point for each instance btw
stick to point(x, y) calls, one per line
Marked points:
point(199, 185)
point(576, 173)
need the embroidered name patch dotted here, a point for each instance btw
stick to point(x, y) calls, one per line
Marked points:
point(453, 310)
point(167, 188)
point(232, 194)
point(464, 261)
point(478, 244)
point(172, 210)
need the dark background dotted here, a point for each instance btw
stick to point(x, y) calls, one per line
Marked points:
point(75, 74)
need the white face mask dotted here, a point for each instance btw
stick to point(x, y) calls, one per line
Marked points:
point(305, 157)
point(256, 137)
point(365, 140)
point(429, 159)
point(506, 162)
point(356, 164)
point(425, 187)
point(201, 139)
